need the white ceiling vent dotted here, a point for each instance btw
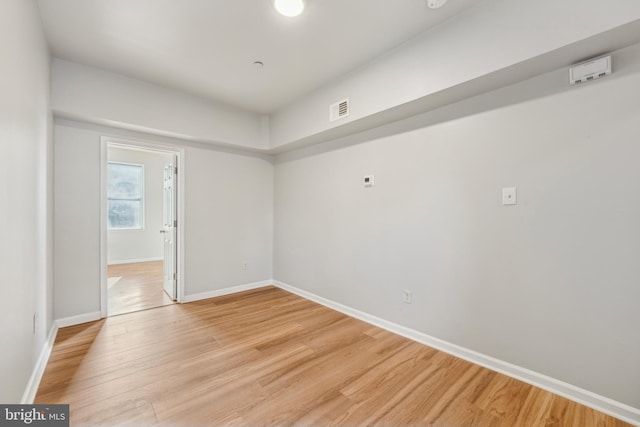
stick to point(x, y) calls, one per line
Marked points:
point(590, 70)
point(339, 110)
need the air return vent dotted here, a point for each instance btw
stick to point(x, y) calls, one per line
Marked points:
point(339, 110)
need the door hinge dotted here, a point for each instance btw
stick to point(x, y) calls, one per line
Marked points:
point(175, 222)
point(175, 170)
point(174, 276)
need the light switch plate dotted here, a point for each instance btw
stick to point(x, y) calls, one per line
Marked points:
point(368, 181)
point(509, 196)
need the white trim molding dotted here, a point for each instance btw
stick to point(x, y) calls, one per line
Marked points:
point(77, 320)
point(227, 291)
point(132, 261)
point(38, 370)
point(584, 397)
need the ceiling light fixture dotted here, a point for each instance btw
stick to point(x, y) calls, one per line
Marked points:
point(434, 4)
point(289, 8)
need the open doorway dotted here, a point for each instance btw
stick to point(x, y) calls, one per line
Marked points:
point(140, 227)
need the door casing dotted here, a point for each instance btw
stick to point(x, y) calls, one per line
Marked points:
point(143, 145)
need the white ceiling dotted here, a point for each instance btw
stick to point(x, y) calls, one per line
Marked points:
point(207, 47)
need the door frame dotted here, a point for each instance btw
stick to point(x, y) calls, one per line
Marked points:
point(141, 145)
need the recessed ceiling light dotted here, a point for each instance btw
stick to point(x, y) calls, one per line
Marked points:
point(258, 64)
point(434, 4)
point(289, 8)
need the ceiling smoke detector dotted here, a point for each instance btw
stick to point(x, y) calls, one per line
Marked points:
point(434, 4)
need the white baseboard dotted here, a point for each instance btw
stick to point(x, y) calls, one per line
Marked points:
point(600, 403)
point(76, 320)
point(132, 261)
point(34, 381)
point(227, 291)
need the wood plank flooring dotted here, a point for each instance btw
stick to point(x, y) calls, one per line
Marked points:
point(139, 287)
point(267, 357)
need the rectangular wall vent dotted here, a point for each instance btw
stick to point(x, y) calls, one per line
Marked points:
point(590, 70)
point(339, 110)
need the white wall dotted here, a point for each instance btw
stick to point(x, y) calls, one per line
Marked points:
point(550, 284)
point(229, 218)
point(228, 214)
point(76, 223)
point(455, 59)
point(97, 96)
point(25, 252)
point(145, 244)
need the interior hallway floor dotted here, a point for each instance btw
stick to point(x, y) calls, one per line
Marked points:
point(134, 287)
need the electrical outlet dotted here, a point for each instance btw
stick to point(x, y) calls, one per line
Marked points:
point(406, 296)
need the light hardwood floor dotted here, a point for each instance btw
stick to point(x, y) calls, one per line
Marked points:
point(135, 287)
point(267, 357)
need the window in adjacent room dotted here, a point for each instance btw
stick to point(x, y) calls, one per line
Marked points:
point(125, 187)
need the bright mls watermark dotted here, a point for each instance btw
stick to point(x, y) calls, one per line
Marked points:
point(34, 415)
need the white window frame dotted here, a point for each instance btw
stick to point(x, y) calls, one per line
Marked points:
point(142, 198)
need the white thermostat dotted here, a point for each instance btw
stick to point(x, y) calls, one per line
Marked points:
point(509, 196)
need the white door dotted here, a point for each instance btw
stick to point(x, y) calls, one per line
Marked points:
point(169, 228)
